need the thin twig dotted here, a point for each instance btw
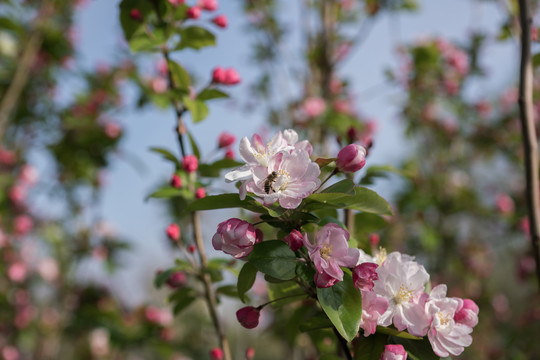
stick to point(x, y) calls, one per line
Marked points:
point(343, 344)
point(530, 145)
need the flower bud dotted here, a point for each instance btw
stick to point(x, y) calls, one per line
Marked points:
point(216, 354)
point(468, 314)
point(193, 12)
point(236, 238)
point(231, 77)
point(191, 249)
point(135, 14)
point(177, 2)
point(364, 275)
point(229, 154)
point(200, 193)
point(295, 240)
point(176, 181)
point(394, 352)
point(218, 75)
point(209, 5)
point(221, 21)
point(226, 139)
point(23, 224)
point(177, 279)
point(248, 317)
point(351, 158)
point(250, 353)
point(191, 163)
point(313, 106)
point(373, 240)
point(173, 232)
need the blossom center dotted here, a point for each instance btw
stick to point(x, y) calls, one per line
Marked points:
point(326, 251)
point(403, 295)
point(381, 256)
point(444, 319)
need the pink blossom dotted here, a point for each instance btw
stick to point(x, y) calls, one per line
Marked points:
point(10, 352)
point(226, 139)
point(7, 157)
point(29, 175)
point(216, 354)
point(329, 252)
point(99, 342)
point(313, 106)
point(193, 12)
point(17, 272)
point(351, 158)
point(48, 269)
point(173, 232)
point(446, 336)
point(159, 85)
point(231, 77)
point(294, 175)
point(248, 317)
point(176, 181)
point(218, 75)
point(209, 5)
point(23, 224)
point(467, 313)
point(236, 238)
point(401, 281)
point(200, 193)
point(364, 275)
point(221, 21)
point(17, 194)
point(504, 204)
point(250, 353)
point(394, 352)
point(343, 106)
point(190, 164)
point(295, 240)
point(162, 317)
point(373, 307)
point(112, 130)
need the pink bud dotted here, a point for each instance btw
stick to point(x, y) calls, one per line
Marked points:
point(295, 240)
point(162, 67)
point(468, 314)
point(135, 14)
point(112, 130)
point(159, 85)
point(351, 158)
point(250, 353)
point(177, 279)
point(314, 106)
point(23, 224)
point(226, 139)
point(17, 272)
point(177, 2)
point(193, 12)
point(7, 157)
point(394, 352)
point(231, 77)
point(373, 240)
point(221, 21)
point(173, 232)
point(17, 194)
point(191, 248)
point(191, 163)
point(176, 181)
point(364, 275)
point(218, 75)
point(209, 5)
point(236, 237)
point(10, 353)
point(29, 175)
point(505, 204)
point(229, 154)
point(200, 193)
point(216, 354)
point(248, 317)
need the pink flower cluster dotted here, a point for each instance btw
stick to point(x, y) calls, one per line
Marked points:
point(279, 171)
point(393, 293)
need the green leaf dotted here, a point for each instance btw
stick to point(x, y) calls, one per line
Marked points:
point(8, 24)
point(536, 60)
point(194, 146)
point(274, 258)
point(342, 303)
point(227, 201)
point(210, 94)
point(162, 277)
point(179, 75)
point(195, 37)
point(246, 279)
point(197, 108)
point(364, 200)
point(365, 223)
point(395, 332)
point(166, 192)
point(228, 290)
point(129, 25)
point(369, 348)
point(181, 299)
point(214, 169)
point(167, 155)
point(417, 350)
point(344, 186)
point(317, 322)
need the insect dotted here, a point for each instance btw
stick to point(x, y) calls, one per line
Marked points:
point(270, 179)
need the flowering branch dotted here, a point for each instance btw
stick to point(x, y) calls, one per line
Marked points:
point(530, 146)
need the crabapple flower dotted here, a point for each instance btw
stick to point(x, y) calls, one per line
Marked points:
point(23, 224)
point(193, 12)
point(236, 237)
point(218, 75)
point(231, 77)
point(401, 281)
point(351, 158)
point(364, 275)
point(173, 232)
point(288, 178)
point(221, 21)
point(295, 240)
point(225, 139)
point(209, 5)
point(373, 307)
point(250, 353)
point(329, 252)
point(313, 106)
point(447, 337)
point(248, 317)
point(467, 313)
point(394, 352)
point(191, 163)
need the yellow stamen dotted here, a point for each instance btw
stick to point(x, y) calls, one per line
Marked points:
point(404, 295)
point(326, 251)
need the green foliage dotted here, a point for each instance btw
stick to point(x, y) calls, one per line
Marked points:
point(195, 37)
point(274, 258)
point(417, 349)
point(197, 109)
point(369, 348)
point(246, 279)
point(363, 200)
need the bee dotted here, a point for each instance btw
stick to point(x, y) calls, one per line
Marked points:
point(270, 179)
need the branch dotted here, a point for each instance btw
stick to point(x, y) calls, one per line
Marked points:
point(530, 145)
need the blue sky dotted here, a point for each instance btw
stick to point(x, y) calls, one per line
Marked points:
point(143, 222)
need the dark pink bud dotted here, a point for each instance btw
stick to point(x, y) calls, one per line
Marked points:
point(216, 354)
point(248, 317)
point(394, 352)
point(218, 75)
point(177, 279)
point(250, 353)
point(295, 240)
point(200, 193)
point(193, 12)
point(226, 139)
point(373, 240)
point(176, 181)
point(221, 21)
point(351, 158)
point(192, 248)
point(173, 232)
point(229, 154)
point(322, 280)
point(177, 2)
point(468, 314)
point(231, 77)
point(191, 163)
point(364, 275)
point(135, 14)
point(23, 224)
point(209, 5)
